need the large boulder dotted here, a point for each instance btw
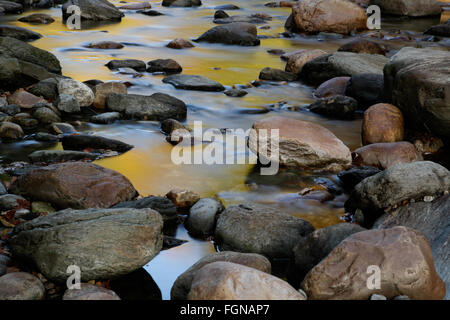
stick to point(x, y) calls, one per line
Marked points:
point(416, 80)
point(75, 185)
point(10, 7)
point(401, 182)
point(21, 286)
point(230, 281)
point(260, 229)
point(237, 33)
point(335, 86)
point(202, 216)
point(18, 33)
point(432, 219)
point(182, 285)
point(382, 123)
point(385, 155)
point(366, 88)
point(302, 144)
point(97, 10)
point(338, 16)
point(158, 106)
point(415, 8)
point(193, 82)
point(103, 243)
point(78, 90)
point(339, 64)
point(403, 256)
point(80, 142)
point(296, 61)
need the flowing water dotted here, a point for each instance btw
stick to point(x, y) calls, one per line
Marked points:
point(148, 165)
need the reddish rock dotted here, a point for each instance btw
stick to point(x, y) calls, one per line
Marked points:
point(24, 99)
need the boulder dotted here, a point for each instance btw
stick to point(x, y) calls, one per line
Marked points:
point(183, 199)
point(136, 6)
point(401, 182)
point(11, 7)
point(382, 123)
point(337, 106)
point(193, 82)
point(181, 3)
point(62, 128)
point(10, 131)
point(385, 155)
point(21, 286)
point(105, 45)
point(296, 61)
point(402, 254)
point(366, 88)
point(89, 291)
point(339, 64)
point(363, 46)
point(60, 156)
point(67, 103)
point(416, 8)
point(103, 243)
point(416, 80)
point(220, 17)
point(10, 109)
point(24, 99)
point(105, 118)
point(179, 43)
point(260, 229)
point(272, 74)
point(183, 283)
point(167, 66)
point(47, 89)
point(76, 185)
point(81, 142)
point(96, 10)
point(18, 33)
point(202, 217)
point(334, 86)
point(432, 220)
point(302, 144)
point(137, 65)
point(46, 116)
point(230, 281)
point(79, 90)
point(102, 90)
point(316, 246)
point(37, 18)
point(158, 106)
point(238, 33)
point(337, 16)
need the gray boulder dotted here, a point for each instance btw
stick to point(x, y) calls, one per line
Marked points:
point(338, 107)
point(96, 10)
point(10, 7)
point(67, 103)
point(272, 74)
point(366, 88)
point(60, 156)
point(104, 243)
point(193, 82)
point(237, 33)
point(81, 142)
point(202, 216)
point(18, 33)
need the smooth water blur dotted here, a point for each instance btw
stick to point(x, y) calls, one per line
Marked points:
point(149, 165)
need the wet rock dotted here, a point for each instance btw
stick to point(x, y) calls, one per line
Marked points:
point(223, 18)
point(382, 123)
point(128, 238)
point(152, 13)
point(183, 199)
point(366, 88)
point(136, 6)
point(401, 182)
point(105, 45)
point(276, 75)
point(49, 156)
point(170, 125)
point(331, 279)
point(137, 285)
point(129, 71)
point(105, 118)
point(417, 8)
point(313, 16)
point(417, 82)
point(238, 33)
point(46, 115)
point(25, 121)
point(137, 65)
point(220, 14)
point(182, 285)
point(21, 286)
point(11, 7)
point(335, 86)
point(431, 219)
point(193, 82)
point(10, 131)
point(4, 260)
point(441, 30)
point(103, 89)
point(37, 18)
point(341, 64)
point(236, 93)
point(230, 281)
point(260, 229)
point(47, 89)
point(179, 43)
point(363, 46)
point(167, 66)
point(90, 292)
point(67, 103)
point(81, 142)
point(76, 185)
point(18, 33)
point(316, 246)
point(10, 109)
point(338, 107)
point(45, 137)
point(296, 61)
point(96, 10)
point(303, 144)
point(24, 99)
point(158, 106)
point(62, 128)
point(385, 155)
point(351, 177)
point(79, 90)
point(181, 3)
point(202, 216)
point(10, 201)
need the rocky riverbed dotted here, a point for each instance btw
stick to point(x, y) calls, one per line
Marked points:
point(88, 122)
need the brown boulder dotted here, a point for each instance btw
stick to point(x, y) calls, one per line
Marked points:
point(338, 16)
point(385, 155)
point(230, 281)
point(332, 87)
point(77, 185)
point(296, 62)
point(103, 89)
point(24, 99)
point(382, 123)
point(402, 254)
point(363, 46)
point(179, 43)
